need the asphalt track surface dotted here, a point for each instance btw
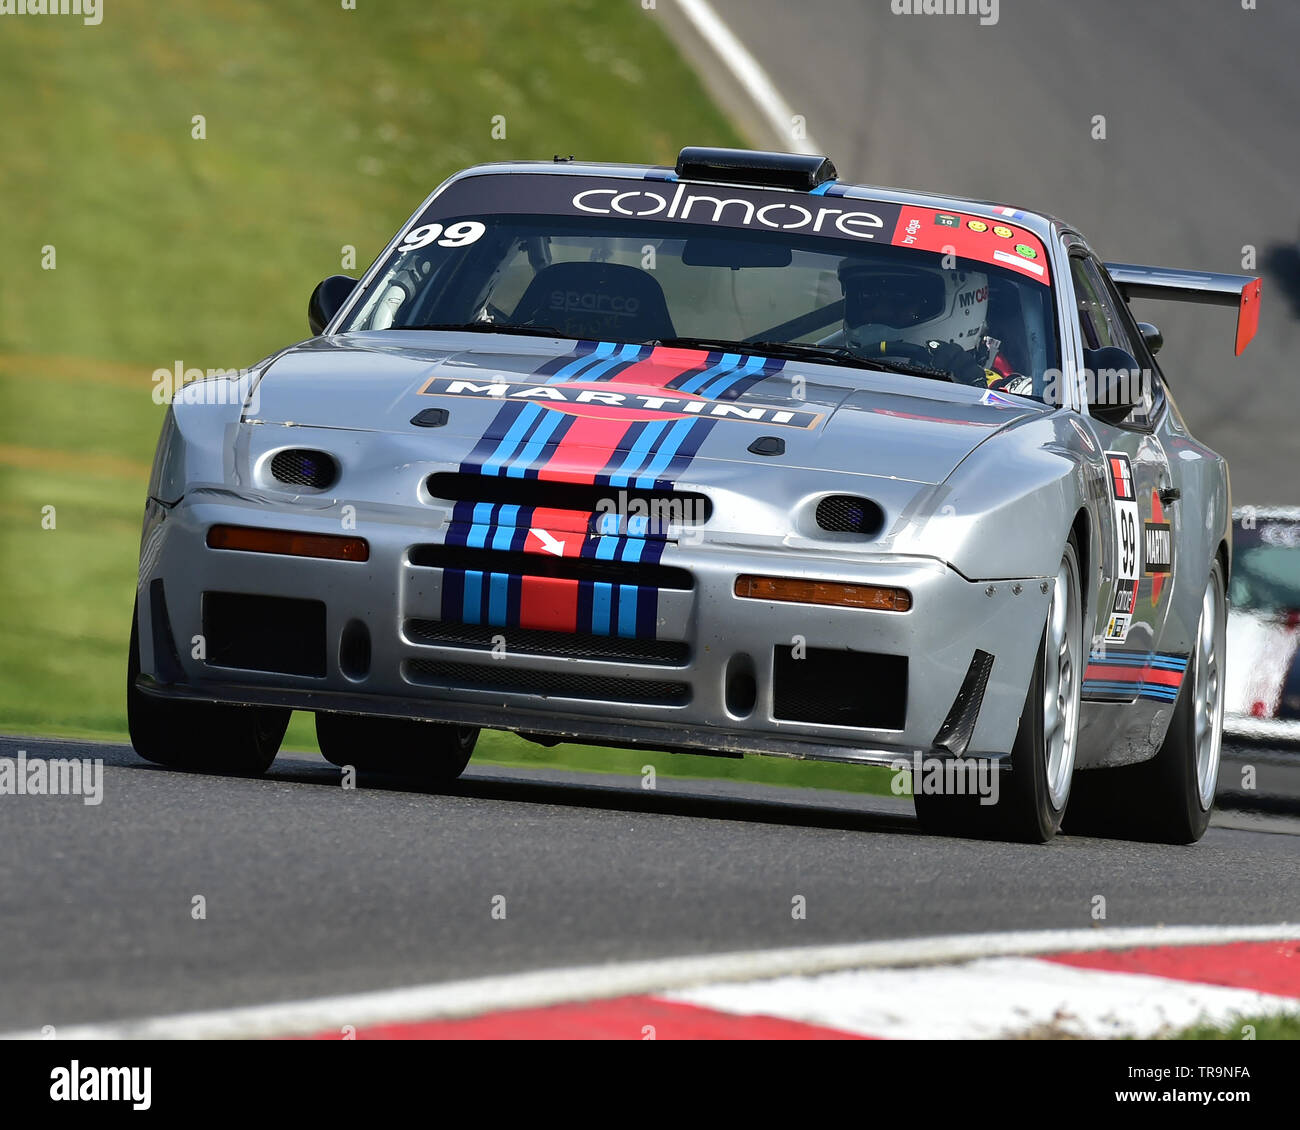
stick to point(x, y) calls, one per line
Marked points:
point(1201, 157)
point(313, 890)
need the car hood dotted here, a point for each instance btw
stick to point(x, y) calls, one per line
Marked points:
point(604, 401)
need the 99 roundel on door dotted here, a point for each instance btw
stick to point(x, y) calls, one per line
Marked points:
point(1127, 546)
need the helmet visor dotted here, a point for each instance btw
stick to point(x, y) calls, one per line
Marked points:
point(895, 298)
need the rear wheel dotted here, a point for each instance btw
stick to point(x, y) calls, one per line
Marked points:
point(1169, 798)
point(435, 753)
point(202, 736)
point(1031, 798)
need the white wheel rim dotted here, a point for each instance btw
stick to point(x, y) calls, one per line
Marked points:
point(1207, 706)
point(1061, 686)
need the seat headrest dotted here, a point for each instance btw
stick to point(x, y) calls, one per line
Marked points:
point(597, 301)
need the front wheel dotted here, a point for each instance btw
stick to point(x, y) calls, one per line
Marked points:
point(434, 753)
point(1031, 798)
point(202, 736)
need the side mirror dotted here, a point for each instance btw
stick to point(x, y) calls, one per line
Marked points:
point(1152, 336)
point(1116, 383)
point(327, 300)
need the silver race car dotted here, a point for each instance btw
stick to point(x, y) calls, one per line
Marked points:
point(731, 457)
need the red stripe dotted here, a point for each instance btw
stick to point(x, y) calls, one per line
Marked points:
point(1265, 967)
point(551, 603)
point(1156, 675)
point(624, 1018)
point(589, 445)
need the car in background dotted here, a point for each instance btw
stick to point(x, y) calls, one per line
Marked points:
point(1262, 672)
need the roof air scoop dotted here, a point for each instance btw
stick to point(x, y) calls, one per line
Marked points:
point(804, 171)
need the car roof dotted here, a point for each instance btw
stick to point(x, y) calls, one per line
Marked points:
point(1040, 223)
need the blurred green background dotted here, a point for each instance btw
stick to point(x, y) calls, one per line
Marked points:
point(169, 248)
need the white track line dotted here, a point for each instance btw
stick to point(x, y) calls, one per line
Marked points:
point(747, 71)
point(990, 999)
point(536, 990)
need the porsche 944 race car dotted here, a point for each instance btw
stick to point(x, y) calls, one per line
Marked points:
point(731, 458)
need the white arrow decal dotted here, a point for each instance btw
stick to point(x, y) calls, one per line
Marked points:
point(549, 543)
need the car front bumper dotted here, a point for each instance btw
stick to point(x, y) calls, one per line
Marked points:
point(950, 620)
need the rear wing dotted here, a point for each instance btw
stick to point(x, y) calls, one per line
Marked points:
point(1241, 291)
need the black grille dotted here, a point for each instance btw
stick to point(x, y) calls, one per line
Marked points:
point(661, 506)
point(530, 641)
point(265, 633)
point(544, 565)
point(840, 688)
point(552, 683)
point(848, 514)
point(303, 468)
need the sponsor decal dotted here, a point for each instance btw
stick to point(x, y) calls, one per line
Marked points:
point(580, 302)
point(626, 440)
point(457, 217)
point(1157, 548)
point(625, 402)
point(1121, 476)
point(1128, 549)
point(1118, 625)
point(691, 205)
point(969, 238)
point(997, 400)
point(1014, 261)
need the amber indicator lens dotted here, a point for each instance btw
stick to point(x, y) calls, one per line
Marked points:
point(794, 591)
point(251, 539)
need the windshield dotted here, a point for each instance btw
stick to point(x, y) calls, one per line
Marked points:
point(1266, 565)
point(854, 283)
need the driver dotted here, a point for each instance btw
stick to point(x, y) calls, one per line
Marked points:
point(928, 315)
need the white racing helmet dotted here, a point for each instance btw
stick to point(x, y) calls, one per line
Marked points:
point(918, 305)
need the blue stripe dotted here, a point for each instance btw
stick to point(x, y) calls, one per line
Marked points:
point(640, 451)
point(472, 612)
point(602, 592)
point(598, 359)
point(666, 451)
point(753, 365)
point(1131, 659)
point(822, 188)
point(511, 440)
point(729, 361)
point(627, 594)
point(499, 583)
point(518, 466)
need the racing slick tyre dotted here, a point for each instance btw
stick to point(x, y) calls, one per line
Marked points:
point(1168, 799)
point(434, 753)
point(1031, 798)
point(202, 736)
